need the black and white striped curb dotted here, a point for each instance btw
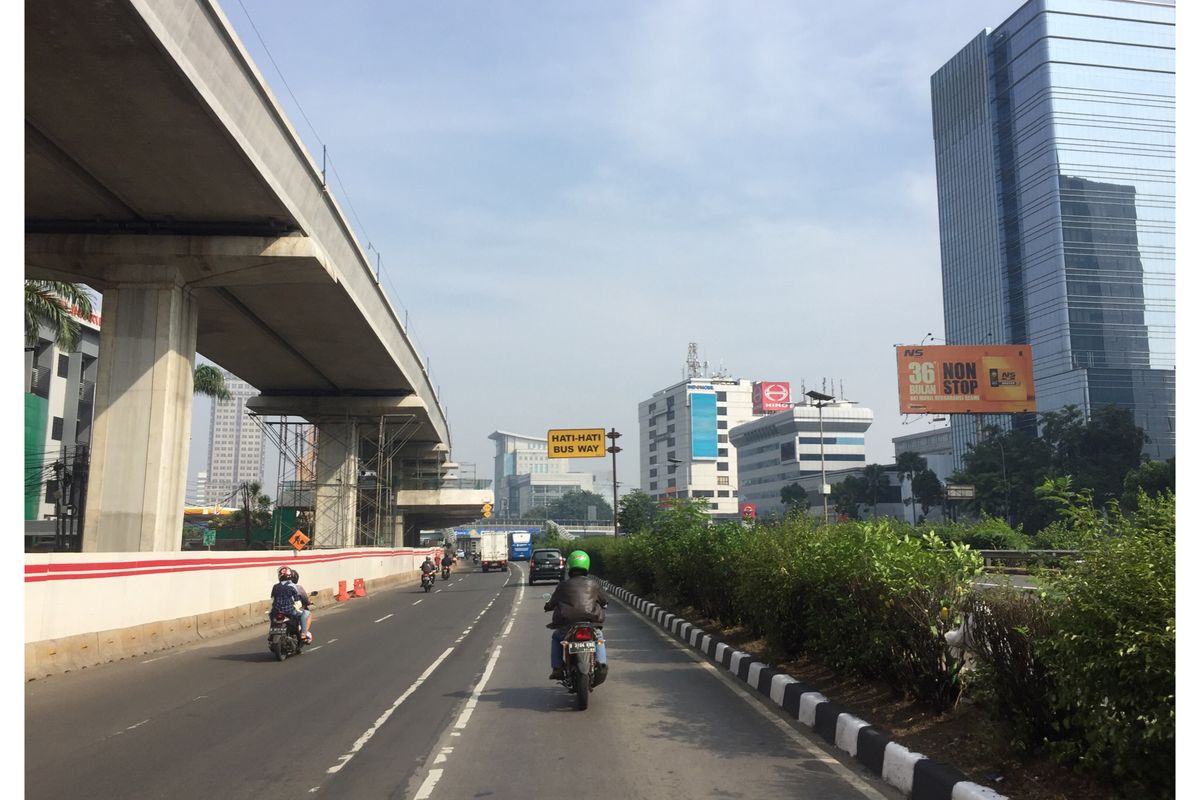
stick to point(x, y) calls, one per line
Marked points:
point(912, 773)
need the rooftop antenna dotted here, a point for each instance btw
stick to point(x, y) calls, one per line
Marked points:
point(693, 360)
point(841, 389)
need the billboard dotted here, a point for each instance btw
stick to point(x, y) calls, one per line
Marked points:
point(575, 443)
point(771, 396)
point(972, 379)
point(704, 424)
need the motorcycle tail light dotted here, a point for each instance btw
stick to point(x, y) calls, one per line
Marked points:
point(280, 616)
point(583, 635)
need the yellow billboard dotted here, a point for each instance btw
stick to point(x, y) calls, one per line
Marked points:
point(575, 443)
point(965, 379)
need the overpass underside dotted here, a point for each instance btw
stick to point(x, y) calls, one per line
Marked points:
point(160, 170)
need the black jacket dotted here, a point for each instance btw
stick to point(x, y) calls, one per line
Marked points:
point(577, 599)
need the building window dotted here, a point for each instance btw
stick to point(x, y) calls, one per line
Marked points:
point(56, 427)
point(723, 480)
point(670, 429)
point(653, 433)
point(64, 363)
point(722, 438)
point(722, 424)
point(670, 402)
point(722, 466)
point(722, 452)
point(670, 415)
point(721, 411)
point(670, 441)
point(720, 397)
point(653, 485)
point(723, 493)
point(653, 459)
point(652, 407)
point(670, 482)
point(653, 473)
point(670, 454)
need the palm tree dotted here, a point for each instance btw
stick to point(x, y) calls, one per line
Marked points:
point(209, 381)
point(876, 479)
point(49, 303)
point(909, 464)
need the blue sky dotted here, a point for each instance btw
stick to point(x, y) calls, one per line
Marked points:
point(564, 195)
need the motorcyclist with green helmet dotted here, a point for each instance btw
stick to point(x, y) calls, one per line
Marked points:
point(579, 598)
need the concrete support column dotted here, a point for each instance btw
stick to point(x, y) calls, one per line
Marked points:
point(143, 415)
point(335, 499)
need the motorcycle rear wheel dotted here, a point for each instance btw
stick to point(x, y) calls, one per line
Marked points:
point(583, 688)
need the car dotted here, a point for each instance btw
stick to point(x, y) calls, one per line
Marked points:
point(547, 564)
point(460, 553)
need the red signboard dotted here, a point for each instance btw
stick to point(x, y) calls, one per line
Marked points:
point(749, 512)
point(772, 396)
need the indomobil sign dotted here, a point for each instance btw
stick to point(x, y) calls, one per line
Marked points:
point(575, 443)
point(965, 379)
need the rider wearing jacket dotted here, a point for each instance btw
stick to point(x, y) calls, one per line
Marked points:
point(580, 598)
point(284, 596)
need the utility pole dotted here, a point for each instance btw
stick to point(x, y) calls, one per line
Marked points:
point(820, 401)
point(612, 434)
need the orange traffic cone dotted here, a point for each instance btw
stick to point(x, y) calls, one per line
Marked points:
point(360, 590)
point(341, 595)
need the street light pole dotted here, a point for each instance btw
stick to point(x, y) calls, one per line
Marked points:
point(820, 401)
point(612, 434)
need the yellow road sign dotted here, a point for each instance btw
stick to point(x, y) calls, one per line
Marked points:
point(575, 443)
point(298, 540)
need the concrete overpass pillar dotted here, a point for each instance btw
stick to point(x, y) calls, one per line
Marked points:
point(143, 417)
point(335, 499)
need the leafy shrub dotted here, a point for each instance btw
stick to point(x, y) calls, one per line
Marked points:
point(1112, 645)
point(1009, 679)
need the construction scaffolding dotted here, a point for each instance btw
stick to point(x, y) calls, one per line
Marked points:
point(355, 504)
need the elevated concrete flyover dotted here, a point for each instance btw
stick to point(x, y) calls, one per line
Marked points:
point(160, 170)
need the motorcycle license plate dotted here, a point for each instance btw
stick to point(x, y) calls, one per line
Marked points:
point(580, 647)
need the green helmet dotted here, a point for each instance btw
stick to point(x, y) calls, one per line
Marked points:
point(579, 560)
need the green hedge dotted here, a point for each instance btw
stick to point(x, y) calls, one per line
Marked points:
point(1084, 669)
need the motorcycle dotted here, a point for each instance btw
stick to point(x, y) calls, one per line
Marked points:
point(445, 572)
point(579, 662)
point(283, 636)
point(427, 579)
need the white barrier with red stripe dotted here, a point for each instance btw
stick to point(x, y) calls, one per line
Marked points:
point(73, 593)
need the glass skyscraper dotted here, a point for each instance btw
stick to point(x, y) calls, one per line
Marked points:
point(1055, 146)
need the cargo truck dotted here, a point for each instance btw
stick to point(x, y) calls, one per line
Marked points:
point(493, 550)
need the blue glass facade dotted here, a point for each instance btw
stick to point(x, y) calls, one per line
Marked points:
point(1055, 142)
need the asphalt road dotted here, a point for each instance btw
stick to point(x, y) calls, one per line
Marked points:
point(414, 695)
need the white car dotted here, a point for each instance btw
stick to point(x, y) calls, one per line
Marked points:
point(460, 553)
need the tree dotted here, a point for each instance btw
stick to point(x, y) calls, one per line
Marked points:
point(574, 505)
point(848, 495)
point(909, 464)
point(636, 511)
point(209, 381)
point(1097, 453)
point(795, 498)
point(1155, 478)
point(1005, 467)
point(927, 490)
point(876, 478)
point(49, 303)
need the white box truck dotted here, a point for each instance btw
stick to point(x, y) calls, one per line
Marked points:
point(493, 550)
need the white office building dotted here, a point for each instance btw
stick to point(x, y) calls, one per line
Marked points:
point(527, 478)
point(684, 436)
point(235, 444)
point(790, 447)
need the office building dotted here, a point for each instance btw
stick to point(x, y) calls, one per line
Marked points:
point(684, 436)
point(526, 477)
point(1054, 139)
point(786, 447)
point(935, 445)
point(60, 393)
point(235, 445)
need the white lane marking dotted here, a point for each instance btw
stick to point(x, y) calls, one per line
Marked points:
point(131, 727)
point(469, 709)
point(331, 641)
point(315, 649)
point(427, 787)
point(437, 591)
point(389, 616)
point(366, 737)
point(370, 732)
point(422, 600)
point(442, 756)
point(160, 658)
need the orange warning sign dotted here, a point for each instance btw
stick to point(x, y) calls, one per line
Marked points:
point(298, 540)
